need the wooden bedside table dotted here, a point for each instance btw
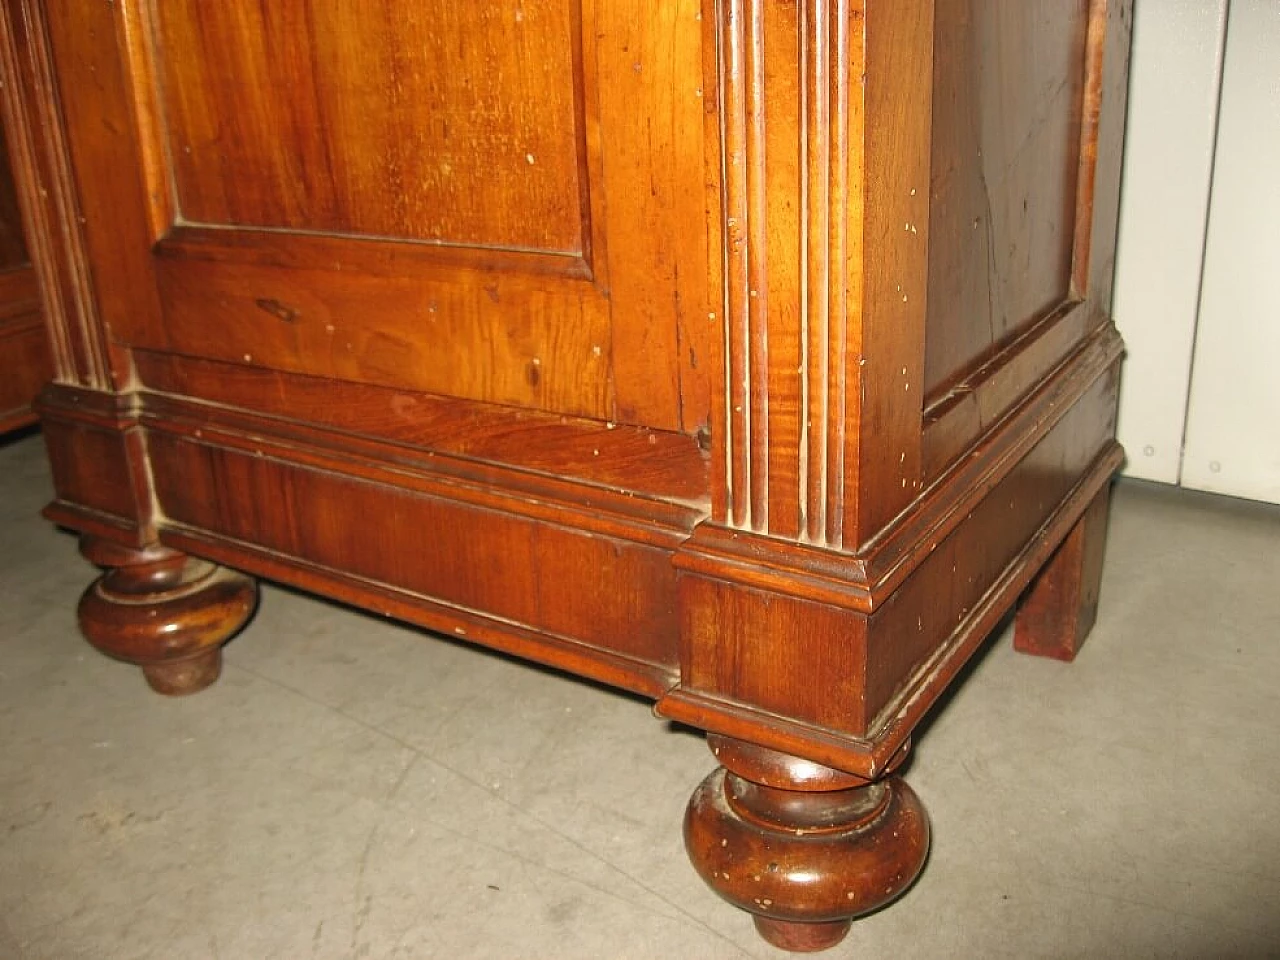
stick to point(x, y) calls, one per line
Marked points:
point(753, 355)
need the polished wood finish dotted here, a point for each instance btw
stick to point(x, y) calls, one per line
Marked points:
point(802, 847)
point(1060, 608)
point(751, 355)
point(1000, 265)
point(164, 611)
point(24, 353)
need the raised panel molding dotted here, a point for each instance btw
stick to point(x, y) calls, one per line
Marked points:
point(959, 410)
point(433, 123)
point(622, 341)
point(1009, 164)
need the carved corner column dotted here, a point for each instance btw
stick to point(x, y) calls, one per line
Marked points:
point(820, 212)
point(154, 607)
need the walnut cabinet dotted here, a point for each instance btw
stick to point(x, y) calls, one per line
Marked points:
point(752, 355)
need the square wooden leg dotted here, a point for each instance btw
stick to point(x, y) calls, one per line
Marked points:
point(1061, 605)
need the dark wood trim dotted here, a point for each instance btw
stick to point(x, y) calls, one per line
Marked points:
point(98, 457)
point(17, 419)
point(444, 556)
point(511, 492)
point(19, 292)
point(98, 523)
point(957, 417)
point(189, 439)
point(24, 350)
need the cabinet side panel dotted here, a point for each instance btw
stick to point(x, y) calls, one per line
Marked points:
point(24, 354)
point(931, 608)
point(1008, 89)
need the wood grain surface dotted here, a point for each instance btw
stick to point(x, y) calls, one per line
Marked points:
point(751, 355)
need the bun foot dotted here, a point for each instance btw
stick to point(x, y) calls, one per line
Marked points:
point(802, 847)
point(184, 676)
point(802, 937)
point(165, 612)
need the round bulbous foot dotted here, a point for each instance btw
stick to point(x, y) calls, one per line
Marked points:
point(165, 612)
point(802, 937)
point(181, 677)
point(803, 848)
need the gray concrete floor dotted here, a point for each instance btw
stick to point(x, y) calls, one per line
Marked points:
point(352, 788)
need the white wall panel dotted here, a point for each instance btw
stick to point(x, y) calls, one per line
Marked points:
point(1173, 97)
point(1233, 425)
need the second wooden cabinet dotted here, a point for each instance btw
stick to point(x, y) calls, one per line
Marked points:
point(24, 352)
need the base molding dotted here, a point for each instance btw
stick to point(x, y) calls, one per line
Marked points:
point(664, 603)
point(872, 752)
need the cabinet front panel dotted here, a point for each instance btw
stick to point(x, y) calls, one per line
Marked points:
point(1009, 84)
point(432, 121)
point(410, 194)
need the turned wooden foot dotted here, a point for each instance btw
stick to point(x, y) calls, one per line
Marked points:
point(164, 611)
point(805, 849)
point(1058, 611)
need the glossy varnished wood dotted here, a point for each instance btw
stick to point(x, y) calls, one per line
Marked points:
point(1060, 608)
point(801, 847)
point(329, 275)
point(1006, 166)
point(346, 132)
point(751, 355)
point(164, 611)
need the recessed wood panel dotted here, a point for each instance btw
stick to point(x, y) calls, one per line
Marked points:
point(504, 339)
point(434, 121)
point(1009, 82)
